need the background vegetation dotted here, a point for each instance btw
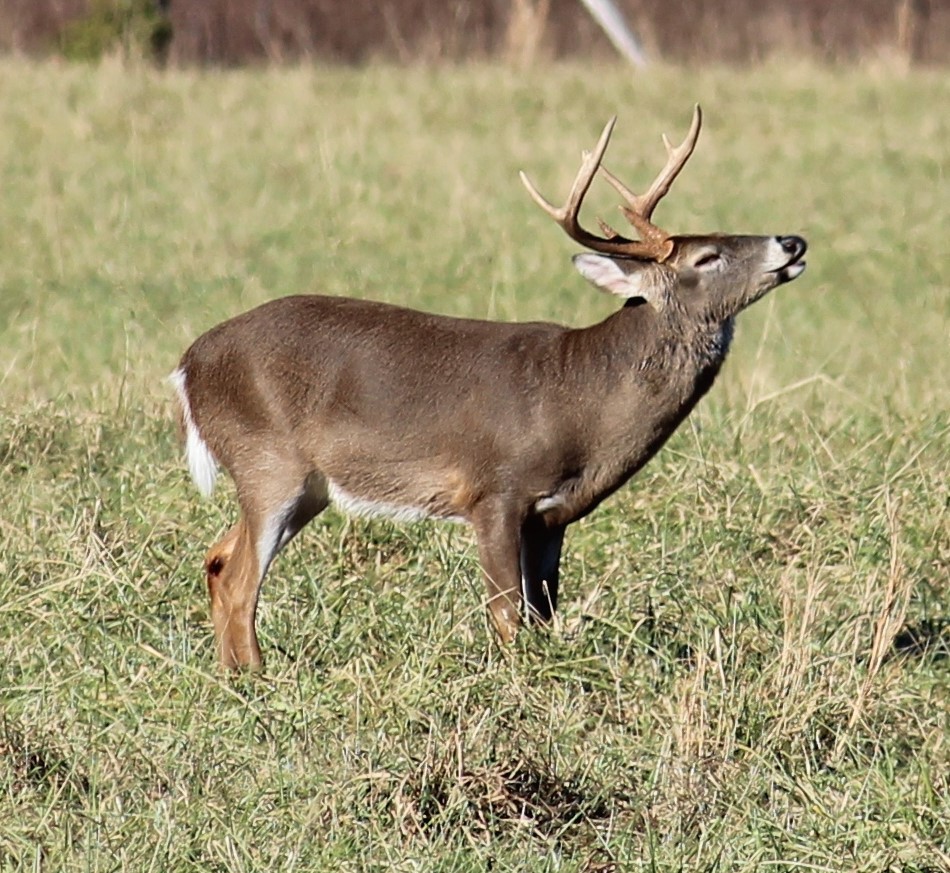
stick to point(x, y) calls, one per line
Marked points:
point(189, 32)
point(750, 670)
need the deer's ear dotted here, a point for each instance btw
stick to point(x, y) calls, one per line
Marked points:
point(629, 278)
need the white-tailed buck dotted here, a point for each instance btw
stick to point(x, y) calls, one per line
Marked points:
point(516, 429)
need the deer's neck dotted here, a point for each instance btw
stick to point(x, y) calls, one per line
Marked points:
point(637, 345)
point(650, 371)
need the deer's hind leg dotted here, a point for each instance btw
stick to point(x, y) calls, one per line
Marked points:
point(274, 507)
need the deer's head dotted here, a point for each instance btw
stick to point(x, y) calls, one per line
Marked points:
point(708, 277)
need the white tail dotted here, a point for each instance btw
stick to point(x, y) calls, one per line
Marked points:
point(201, 463)
point(516, 429)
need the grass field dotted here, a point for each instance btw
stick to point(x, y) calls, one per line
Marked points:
point(750, 671)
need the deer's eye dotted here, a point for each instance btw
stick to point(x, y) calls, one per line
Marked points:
point(710, 259)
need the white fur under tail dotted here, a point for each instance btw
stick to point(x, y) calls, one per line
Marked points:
point(201, 463)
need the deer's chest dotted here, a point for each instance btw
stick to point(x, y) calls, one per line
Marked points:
point(634, 428)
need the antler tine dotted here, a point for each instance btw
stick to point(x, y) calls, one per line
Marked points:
point(640, 207)
point(566, 216)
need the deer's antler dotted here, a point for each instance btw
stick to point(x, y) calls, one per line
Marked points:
point(654, 242)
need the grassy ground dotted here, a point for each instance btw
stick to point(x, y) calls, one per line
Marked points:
point(750, 671)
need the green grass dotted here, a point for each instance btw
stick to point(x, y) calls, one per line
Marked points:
point(750, 668)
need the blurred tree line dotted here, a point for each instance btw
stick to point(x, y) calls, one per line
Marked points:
point(233, 32)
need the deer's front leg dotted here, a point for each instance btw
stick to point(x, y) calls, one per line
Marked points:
point(498, 531)
point(540, 565)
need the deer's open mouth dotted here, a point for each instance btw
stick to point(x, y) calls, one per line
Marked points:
point(791, 271)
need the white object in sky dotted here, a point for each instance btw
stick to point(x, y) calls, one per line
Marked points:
point(612, 22)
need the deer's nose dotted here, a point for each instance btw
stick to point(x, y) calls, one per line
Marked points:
point(794, 245)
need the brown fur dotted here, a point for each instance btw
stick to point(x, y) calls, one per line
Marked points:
point(517, 429)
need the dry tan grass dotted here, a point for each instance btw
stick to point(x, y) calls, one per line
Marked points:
point(750, 671)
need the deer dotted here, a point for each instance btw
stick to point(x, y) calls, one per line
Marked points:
point(516, 429)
